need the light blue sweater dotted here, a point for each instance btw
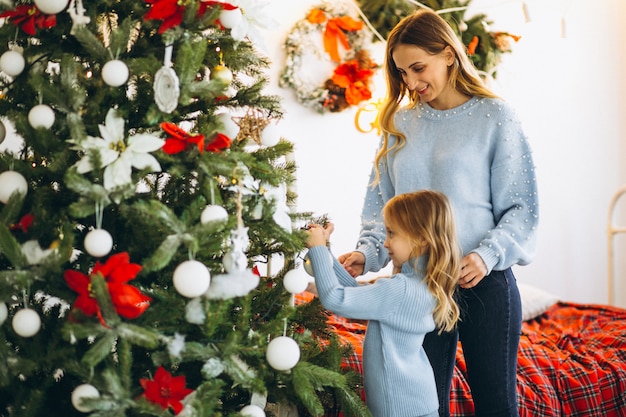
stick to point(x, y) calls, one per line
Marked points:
point(477, 155)
point(398, 378)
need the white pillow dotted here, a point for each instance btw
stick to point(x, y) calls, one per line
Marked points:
point(535, 301)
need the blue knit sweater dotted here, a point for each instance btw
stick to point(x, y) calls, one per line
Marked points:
point(398, 378)
point(477, 155)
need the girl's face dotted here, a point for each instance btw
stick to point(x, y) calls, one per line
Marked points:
point(400, 247)
point(426, 74)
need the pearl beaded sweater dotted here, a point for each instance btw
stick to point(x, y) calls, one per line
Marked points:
point(397, 376)
point(478, 156)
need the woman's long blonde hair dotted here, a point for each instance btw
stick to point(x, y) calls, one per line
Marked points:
point(426, 215)
point(430, 32)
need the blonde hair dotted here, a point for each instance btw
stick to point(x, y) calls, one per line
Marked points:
point(430, 32)
point(426, 215)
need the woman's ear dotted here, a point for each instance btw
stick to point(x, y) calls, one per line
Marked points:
point(449, 55)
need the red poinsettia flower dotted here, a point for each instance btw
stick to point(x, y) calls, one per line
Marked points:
point(165, 390)
point(179, 140)
point(171, 12)
point(24, 224)
point(128, 301)
point(353, 78)
point(220, 142)
point(29, 18)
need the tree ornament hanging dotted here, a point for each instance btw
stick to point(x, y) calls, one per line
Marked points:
point(12, 63)
point(222, 73)
point(41, 115)
point(270, 135)
point(11, 182)
point(231, 18)
point(283, 353)
point(213, 213)
point(4, 313)
point(166, 84)
point(191, 278)
point(252, 410)
point(82, 392)
point(115, 73)
point(295, 281)
point(3, 131)
point(231, 128)
point(26, 322)
point(98, 243)
point(51, 6)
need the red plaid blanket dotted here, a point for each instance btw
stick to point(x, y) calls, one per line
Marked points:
point(572, 362)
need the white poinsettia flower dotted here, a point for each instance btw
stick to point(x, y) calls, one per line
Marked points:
point(119, 154)
point(255, 18)
point(34, 253)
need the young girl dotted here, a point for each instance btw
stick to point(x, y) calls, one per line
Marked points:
point(422, 244)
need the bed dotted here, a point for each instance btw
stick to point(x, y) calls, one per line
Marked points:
point(572, 358)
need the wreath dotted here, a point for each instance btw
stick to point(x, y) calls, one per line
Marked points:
point(330, 45)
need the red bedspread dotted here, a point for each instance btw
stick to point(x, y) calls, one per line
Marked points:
point(572, 362)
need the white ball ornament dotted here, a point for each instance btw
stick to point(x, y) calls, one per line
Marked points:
point(231, 129)
point(231, 18)
point(213, 213)
point(98, 243)
point(4, 313)
point(3, 132)
point(26, 322)
point(41, 115)
point(11, 182)
point(283, 353)
point(191, 278)
point(51, 6)
point(84, 391)
point(12, 63)
point(270, 135)
point(252, 411)
point(295, 281)
point(115, 73)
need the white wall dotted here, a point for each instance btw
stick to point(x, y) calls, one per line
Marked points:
point(569, 93)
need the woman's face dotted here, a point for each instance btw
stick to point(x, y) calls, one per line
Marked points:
point(426, 74)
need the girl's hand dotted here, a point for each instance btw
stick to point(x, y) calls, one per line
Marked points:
point(318, 235)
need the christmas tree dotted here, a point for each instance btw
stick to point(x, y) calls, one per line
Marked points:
point(148, 242)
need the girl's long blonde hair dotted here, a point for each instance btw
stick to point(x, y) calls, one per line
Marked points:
point(426, 215)
point(430, 32)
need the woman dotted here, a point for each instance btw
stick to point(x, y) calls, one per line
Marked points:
point(457, 137)
point(422, 244)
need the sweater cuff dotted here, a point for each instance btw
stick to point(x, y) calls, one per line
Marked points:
point(489, 257)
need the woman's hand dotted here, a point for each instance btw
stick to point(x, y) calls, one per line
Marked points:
point(473, 270)
point(353, 262)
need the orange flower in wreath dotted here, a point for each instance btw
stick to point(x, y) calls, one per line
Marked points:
point(354, 79)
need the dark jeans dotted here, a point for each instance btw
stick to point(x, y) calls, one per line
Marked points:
point(489, 331)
